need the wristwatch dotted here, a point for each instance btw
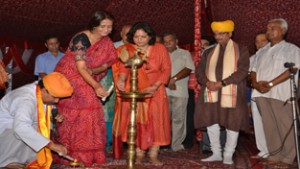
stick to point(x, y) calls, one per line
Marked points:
point(175, 78)
point(223, 83)
point(270, 84)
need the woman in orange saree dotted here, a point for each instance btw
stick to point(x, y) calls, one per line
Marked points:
point(153, 116)
point(83, 131)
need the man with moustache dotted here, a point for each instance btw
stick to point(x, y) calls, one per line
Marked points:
point(177, 91)
point(222, 74)
point(270, 79)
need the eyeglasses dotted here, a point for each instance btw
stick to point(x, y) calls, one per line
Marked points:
point(80, 48)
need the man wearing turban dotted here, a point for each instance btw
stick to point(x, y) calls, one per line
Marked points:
point(25, 123)
point(222, 74)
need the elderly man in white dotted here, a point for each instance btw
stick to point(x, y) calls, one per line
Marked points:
point(270, 79)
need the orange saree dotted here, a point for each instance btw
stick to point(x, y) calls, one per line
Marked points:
point(153, 117)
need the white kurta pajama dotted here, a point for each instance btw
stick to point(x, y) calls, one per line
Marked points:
point(259, 132)
point(277, 115)
point(19, 138)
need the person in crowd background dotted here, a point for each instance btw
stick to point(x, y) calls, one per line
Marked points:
point(159, 39)
point(46, 62)
point(123, 34)
point(177, 90)
point(260, 41)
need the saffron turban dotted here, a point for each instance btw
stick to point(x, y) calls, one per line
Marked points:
point(57, 85)
point(222, 26)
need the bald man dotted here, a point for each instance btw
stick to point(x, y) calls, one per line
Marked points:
point(123, 33)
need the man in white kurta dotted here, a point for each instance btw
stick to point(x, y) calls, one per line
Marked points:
point(19, 138)
point(177, 91)
point(260, 42)
point(272, 84)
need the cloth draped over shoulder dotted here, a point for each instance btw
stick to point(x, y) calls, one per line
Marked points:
point(44, 157)
point(229, 92)
point(208, 113)
point(152, 118)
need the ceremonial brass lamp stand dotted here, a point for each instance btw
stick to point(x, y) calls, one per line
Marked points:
point(134, 63)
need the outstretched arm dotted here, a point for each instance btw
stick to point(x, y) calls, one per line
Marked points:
point(83, 70)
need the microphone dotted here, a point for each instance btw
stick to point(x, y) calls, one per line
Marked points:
point(289, 64)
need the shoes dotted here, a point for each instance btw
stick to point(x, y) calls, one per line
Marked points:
point(260, 158)
point(227, 160)
point(178, 149)
point(257, 157)
point(214, 157)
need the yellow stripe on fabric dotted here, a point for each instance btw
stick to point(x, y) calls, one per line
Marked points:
point(44, 157)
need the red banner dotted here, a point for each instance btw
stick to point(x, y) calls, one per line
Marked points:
point(14, 54)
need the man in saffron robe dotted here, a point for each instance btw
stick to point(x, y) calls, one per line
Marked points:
point(25, 124)
point(222, 100)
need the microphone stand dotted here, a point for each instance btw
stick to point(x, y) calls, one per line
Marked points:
point(295, 113)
